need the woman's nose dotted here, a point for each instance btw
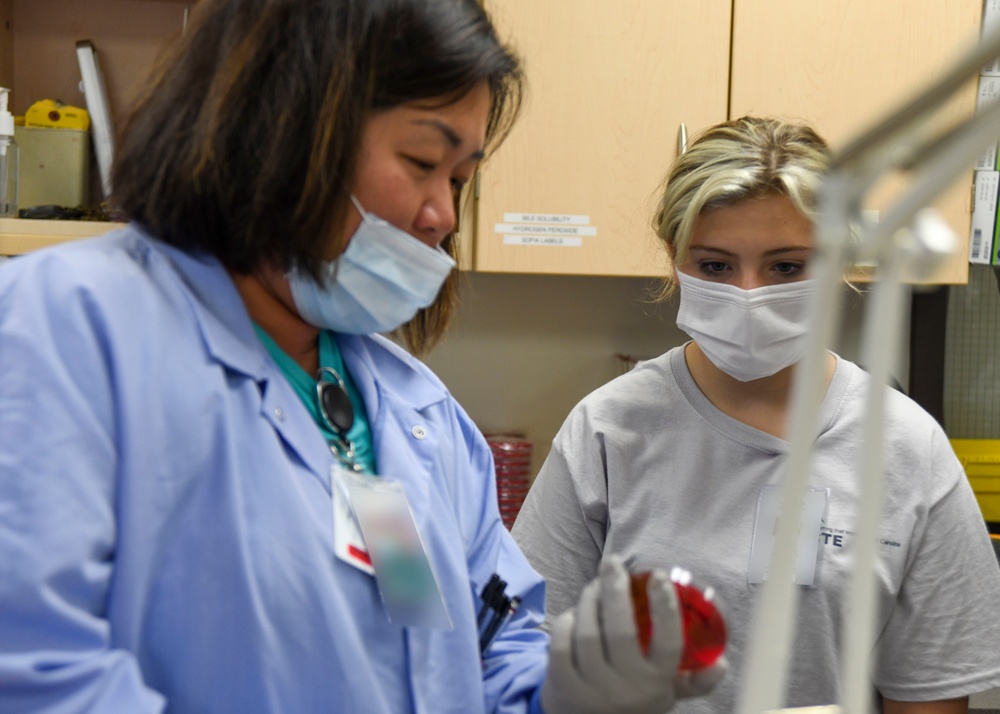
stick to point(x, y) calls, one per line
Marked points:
point(749, 282)
point(436, 217)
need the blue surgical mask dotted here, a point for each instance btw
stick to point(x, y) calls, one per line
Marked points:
point(378, 283)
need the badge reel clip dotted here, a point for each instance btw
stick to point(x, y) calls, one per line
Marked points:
point(374, 527)
point(336, 410)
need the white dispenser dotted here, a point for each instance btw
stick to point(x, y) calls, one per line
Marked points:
point(8, 159)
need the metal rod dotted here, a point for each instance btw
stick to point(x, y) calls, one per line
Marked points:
point(891, 144)
point(881, 337)
point(774, 619)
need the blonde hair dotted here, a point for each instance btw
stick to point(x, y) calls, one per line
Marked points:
point(734, 161)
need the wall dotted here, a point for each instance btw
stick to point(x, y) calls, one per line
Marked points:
point(972, 370)
point(526, 348)
point(6, 43)
point(127, 35)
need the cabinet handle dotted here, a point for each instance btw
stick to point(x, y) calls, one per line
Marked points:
point(682, 139)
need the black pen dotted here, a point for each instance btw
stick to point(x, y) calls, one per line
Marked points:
point(492, 589)
point(500, 617)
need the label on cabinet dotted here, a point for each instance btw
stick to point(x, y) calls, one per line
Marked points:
point(984, 214)
point(558, 241)
point(991, 20)
point(989, 93)
point(552, 229)
point(547, 218)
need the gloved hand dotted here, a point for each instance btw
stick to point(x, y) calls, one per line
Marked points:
point(700, 682)
point(596, 665)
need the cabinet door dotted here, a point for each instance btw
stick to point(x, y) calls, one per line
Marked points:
point(840, 66)
point(572, 189)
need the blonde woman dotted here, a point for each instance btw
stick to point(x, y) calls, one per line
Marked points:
point(675, 463)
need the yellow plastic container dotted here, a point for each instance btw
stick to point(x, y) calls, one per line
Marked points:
point(53, 114)
point(981, 459)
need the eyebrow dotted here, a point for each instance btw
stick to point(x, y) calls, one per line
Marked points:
point(775, 251)
point(453, 139)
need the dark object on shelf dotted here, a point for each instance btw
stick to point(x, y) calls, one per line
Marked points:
point(68, 213)
point(58, 213)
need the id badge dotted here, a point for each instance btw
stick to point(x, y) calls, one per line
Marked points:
point(404, 575)
point(807, 552)
point(348, 543)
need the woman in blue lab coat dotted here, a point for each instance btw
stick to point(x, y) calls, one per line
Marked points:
point(220, 489)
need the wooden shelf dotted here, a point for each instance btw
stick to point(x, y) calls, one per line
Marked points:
point(21, 235)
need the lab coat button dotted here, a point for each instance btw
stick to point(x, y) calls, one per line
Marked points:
point(419, 432)
point(279, 414)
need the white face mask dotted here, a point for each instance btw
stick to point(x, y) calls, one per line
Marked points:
point(377, 284)
point(748, 334)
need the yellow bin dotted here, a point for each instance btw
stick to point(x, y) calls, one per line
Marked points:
point(981, 459)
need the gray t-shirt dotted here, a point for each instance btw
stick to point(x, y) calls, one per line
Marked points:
point(648, 468)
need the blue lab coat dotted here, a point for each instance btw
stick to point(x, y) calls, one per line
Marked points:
point(166, 530)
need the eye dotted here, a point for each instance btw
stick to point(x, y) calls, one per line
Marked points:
point(421, 164)
point(458, 183)
point(713, 268)
point(789, 269)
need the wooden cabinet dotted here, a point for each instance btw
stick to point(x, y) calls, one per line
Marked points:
point(610, 83)
point(841, 66)
point(572, 190)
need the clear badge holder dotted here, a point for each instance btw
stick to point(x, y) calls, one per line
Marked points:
point(807, 556)
point(403, 572)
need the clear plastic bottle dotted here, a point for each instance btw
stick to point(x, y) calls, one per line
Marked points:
point(9, 158)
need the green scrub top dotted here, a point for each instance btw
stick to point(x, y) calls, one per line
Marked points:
point(304, 384)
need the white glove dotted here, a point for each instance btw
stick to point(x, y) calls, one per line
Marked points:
point(701, 681)
point(596, 665)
